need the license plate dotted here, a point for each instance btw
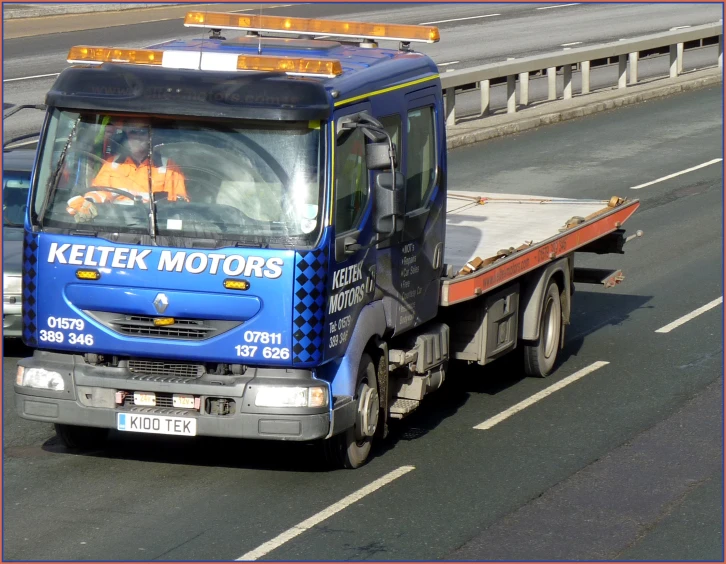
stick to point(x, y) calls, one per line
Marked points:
point(141, 398)
point(158, 424)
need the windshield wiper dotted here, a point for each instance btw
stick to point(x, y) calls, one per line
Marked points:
point(152, 202)
point(55, 177)
point(251, 243)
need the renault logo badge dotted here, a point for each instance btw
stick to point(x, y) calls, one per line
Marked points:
point(161, 302)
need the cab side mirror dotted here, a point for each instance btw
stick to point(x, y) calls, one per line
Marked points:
point(389, 202)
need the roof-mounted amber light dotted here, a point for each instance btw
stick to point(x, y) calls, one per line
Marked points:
point(191, 59)
point(85, 54)
point(304, 26)
point(290, 65)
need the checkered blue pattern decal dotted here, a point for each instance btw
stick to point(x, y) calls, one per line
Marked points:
point(30, 289)
point(311, 268)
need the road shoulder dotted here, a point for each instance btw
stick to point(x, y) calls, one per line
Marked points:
point(70, 22)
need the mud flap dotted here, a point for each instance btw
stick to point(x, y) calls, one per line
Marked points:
point(384, 390)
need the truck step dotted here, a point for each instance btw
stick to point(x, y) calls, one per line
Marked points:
point(402, 407)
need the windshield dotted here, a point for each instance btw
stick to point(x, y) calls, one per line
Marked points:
point(238, 181)
point(15, 197)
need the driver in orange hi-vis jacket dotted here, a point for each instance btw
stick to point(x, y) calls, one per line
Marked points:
point(129, 172)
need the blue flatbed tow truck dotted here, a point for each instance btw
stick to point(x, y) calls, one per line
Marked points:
point(311, 277)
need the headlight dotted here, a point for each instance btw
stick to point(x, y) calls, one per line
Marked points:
point(289, 396)
point(12, 285)
point(39, 378)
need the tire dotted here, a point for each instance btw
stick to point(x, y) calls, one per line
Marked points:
point(541, 355)
point(351, 448)
point(81, 438)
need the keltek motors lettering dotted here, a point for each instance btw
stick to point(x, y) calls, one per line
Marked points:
point(348, 275)
point(177, 261)
point(347, 297)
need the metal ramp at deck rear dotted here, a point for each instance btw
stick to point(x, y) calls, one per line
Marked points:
point(492, 239)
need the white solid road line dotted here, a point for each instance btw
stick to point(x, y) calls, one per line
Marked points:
point(300, 528)
point(24, 144)
point(446, 64)
point(558, 6)
point(30, 77)
point(461, 19)
point(571, 44)
point(489, 423)
point(695, 313)
point(639, 186)
point(159, 20)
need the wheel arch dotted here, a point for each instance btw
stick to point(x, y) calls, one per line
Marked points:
point(532, 296)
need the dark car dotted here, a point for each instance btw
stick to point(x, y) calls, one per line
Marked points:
point(17, 166)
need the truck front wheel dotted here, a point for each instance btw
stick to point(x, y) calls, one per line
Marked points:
point(81, 438)
point(351, 448)
point(540, 356)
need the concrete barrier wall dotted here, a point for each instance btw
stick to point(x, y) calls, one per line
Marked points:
point(14, 11)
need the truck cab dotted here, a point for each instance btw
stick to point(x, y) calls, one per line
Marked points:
point(222, 233)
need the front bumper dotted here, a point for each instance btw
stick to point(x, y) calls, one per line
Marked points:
point(86, 400)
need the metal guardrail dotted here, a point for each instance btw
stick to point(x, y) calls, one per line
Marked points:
point(627, 51)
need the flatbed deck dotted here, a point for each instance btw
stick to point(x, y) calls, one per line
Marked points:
point(532, 231)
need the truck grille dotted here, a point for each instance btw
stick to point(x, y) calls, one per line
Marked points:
point(161, 368)
point(140, 326)
point(182, 329)
point(165, 406)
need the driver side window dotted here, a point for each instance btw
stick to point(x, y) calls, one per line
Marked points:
point(351, 181)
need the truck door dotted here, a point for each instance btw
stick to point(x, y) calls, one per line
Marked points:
point(351, 272)
point(418, 256)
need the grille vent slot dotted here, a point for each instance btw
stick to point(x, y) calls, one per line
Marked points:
point(161, 368)
point(141, 326)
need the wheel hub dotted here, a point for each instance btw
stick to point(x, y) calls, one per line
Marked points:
point(367, 412)
point(550, 337)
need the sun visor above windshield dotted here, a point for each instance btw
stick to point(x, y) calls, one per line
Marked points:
point(122, 88)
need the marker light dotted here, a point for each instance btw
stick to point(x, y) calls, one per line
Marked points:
point(304, 26)
point(321, 67)
point(85, 54)
point(163, 321)
point(88, 274)
point(236, 284)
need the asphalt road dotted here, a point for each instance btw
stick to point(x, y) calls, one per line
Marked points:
point(467, 37)
point(626, 463)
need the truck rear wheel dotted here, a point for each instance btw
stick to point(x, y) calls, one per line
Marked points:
point(81, 438)
point(351, 448)
point(541, 355)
